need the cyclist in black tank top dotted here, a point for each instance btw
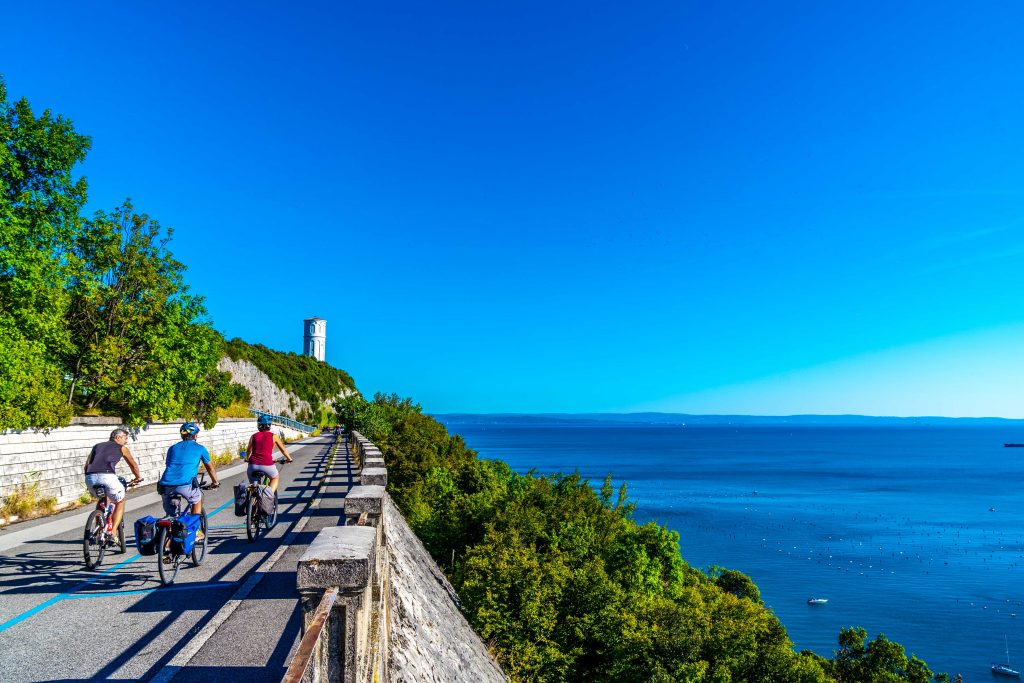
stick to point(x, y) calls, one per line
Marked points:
point(101, 468)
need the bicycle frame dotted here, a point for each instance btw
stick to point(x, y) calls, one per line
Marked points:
point(255, 517)
point(169, 561)
point(98, 529)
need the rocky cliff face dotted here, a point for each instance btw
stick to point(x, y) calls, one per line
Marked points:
point(266, 395)
point(431, 642)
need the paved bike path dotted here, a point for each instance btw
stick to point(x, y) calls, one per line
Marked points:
point(61, 622)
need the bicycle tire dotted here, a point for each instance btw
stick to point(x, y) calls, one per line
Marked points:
point(168, 570)
point(92, 540)
point(252, 519)
point(199, 548)
point(120, 537)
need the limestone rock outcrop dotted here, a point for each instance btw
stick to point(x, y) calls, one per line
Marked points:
point(266, 395)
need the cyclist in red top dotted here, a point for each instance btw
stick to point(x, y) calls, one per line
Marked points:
point(261, 452)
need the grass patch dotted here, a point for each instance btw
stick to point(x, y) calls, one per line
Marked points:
point(26, 500)
point(235, 410)
point(225, 457)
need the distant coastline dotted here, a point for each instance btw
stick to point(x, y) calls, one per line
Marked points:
point(693, 420)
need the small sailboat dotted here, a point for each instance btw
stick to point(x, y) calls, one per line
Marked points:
point(817, 601)
point(1004, 669)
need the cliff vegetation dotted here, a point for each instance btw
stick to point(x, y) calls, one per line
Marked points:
point(313, 381)
point(567, 586)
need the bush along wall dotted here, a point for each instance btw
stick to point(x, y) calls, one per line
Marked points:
point(564, 582)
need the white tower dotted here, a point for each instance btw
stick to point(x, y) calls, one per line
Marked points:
point(314, 337)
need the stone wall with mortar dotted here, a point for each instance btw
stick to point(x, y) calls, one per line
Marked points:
point(56, 457)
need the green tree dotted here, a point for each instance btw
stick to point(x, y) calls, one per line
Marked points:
point(142, 344)
point(737, 583)
point(40, 201)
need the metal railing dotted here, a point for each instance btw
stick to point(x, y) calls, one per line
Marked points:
point(307, 647)
point(284, 421)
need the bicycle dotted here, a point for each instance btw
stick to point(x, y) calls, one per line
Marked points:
point(98, 533)
point(255, 517)
point(168, 557)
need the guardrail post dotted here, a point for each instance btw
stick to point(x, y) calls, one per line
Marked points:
point(343, 558)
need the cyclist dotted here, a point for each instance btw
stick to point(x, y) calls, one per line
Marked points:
point(182, 462)
point(101, 470)
point(261, 452)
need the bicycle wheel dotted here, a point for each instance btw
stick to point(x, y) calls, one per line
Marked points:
point(120, 537)
point(199, 549)
point(270, 520)
point(252, 519)
point(166, 561)
point(92, 540)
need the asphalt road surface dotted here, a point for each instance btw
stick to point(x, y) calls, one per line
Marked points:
point(235, 617)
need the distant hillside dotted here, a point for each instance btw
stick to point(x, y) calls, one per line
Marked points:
point(685, 419)
point(314, 383)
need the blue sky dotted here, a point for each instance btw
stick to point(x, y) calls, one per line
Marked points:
point(766, 208)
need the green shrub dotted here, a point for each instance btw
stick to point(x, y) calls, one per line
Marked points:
point(564, 585)
point(26, 500)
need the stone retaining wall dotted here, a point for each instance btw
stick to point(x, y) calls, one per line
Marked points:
point(56, 457)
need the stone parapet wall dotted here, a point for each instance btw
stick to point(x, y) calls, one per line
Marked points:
point(394, 615)
point(56, 457)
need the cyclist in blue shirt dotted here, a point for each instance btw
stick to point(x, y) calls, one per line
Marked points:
point(182, 462)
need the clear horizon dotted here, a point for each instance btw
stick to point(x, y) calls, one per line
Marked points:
point(730, 415)
point(703, 209)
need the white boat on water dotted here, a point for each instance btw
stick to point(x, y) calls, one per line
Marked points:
point(1004, 669)
point(817, 601)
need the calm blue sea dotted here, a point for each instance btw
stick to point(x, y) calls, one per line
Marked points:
point(914, 532)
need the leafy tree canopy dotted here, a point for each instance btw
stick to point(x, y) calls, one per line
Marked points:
point(40, 200)
point(94, 313)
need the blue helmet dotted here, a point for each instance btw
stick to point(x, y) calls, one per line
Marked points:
point(264, 421)
point(189, 429)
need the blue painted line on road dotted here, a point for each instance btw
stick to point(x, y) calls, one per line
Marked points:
point(230, 502)
point(70, 594)
point(25, 615)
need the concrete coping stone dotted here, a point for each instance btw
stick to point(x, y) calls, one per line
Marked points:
point(339, 556)
point(374, 476)
point(373, 462)
point(368, 499)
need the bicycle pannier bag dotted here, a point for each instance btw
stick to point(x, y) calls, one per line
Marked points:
point(241, 499)
point(145, 535)
point(266, 500)
point(183, 533)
